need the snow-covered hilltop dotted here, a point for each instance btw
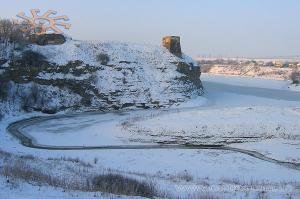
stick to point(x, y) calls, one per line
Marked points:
point(82, 75)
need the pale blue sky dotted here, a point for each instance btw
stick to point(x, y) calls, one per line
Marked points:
point(216, 27)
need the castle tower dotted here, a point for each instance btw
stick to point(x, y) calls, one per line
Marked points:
point(172, 43)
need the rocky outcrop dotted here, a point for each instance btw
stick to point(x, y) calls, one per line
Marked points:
point(70, 77)
point(47, 39)
point(172, 43)
point(192, 72)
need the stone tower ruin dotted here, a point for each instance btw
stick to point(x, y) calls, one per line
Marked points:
point(172, 43)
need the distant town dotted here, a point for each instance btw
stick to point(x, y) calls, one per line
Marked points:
point(279, 68)
point(282, 62)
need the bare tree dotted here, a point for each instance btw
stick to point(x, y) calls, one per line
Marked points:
point(9, 33)
point(6, 27)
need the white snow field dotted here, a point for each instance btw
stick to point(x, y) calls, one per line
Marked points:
point(230, 113)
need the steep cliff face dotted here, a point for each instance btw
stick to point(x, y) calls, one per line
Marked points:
point(79, 75)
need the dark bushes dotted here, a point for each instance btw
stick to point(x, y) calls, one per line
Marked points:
point(109, 183)
point(27, 67)
point(118, 184)
point(103, 58)
point(21, 170)
point(295, 77)
point(3, 90)
point(31, 58)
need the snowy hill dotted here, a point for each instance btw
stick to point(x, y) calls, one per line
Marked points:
point(82, 75)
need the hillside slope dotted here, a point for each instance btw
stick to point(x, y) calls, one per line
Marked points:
point(81, 75)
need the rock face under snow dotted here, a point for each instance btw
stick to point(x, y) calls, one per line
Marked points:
point(74, 76)
point(47, 39)
point(172, 43)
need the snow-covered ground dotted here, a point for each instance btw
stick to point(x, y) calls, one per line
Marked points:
point(230, 112)
point(22, 190)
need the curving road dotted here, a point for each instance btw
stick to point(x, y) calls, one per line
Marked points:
point(16, 129)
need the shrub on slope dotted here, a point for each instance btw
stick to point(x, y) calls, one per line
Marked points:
point(295, 76)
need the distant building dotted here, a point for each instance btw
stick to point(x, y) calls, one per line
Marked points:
point(172, 43)
point(278, 63)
